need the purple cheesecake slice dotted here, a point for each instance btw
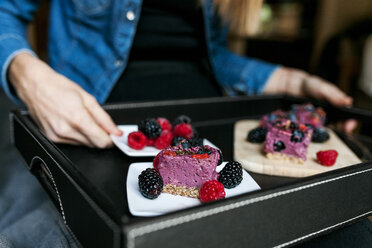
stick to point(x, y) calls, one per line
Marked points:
point(185, 170)
point(287, 140)
point(308, 114)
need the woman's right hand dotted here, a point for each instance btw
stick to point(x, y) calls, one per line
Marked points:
point(64, 111)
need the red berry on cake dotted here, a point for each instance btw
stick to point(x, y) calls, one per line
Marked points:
point(211, 191)
point(155, 162)
point(164, 124)
point(327, 158)
point(183, 130)
point(137, 140)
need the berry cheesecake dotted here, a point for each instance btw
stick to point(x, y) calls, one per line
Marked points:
point(185, 169)
point(287, 140)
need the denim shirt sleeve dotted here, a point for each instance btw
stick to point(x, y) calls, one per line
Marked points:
point(236, 74)
point(14, 17)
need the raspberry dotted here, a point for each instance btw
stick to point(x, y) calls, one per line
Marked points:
point(137, 140)
point(150, 142)
point(327, 158)
point(164, 124)
point(150, 183)
point(155, 162)
point(183, 130)
point(211, 191)
point(164, 140)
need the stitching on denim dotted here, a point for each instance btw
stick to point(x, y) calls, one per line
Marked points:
point(140, 231)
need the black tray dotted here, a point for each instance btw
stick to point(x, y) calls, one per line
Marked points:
point(88, 185)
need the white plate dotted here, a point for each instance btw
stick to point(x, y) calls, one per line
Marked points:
point(166, 203)
point(148, 151)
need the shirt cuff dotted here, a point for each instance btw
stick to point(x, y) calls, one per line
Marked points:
point(255, 76)
point(11, 45)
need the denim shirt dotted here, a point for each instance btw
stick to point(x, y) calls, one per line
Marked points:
point(89, 42)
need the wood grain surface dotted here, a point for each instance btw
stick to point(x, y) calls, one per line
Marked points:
point(252, 158)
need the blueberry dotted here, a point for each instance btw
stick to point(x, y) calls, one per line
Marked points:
point(309, 107)
point(297, 136)
point(279, 146)
point(293, 125)
point(185, 144)
point(320, 135)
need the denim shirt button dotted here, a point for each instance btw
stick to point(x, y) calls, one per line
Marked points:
point(130, 15)
point(118, 63)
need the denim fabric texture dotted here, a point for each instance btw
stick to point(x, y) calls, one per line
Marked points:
point(90, 41)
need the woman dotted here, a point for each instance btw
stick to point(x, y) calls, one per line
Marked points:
point(89, 51)
point(106, 51)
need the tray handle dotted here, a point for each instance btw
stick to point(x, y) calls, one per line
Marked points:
point(39, 168)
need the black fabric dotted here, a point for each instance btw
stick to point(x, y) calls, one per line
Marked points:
point(163, 80)
point(169, 57)
point(169, 29)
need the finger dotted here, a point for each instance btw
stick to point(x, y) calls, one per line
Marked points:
point(350, 125)
point(88, 127)
point(336, 96)
point(101, 116)
point(59, 134)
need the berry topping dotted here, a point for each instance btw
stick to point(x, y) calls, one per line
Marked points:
point(201, 156)
point(182, 119)
point(211, 191)
point(150, 183)
point(164, 124)
point(196, 141)
point(327, 158)
point(164, 140)
point(185, 144)
point(183, 130)
point(231, 175)
point(177, 140)
point(150, 127)
point(155, 162)
point(293, 125)
point(320, 135)
point(297, 136)
point(257, 135)
point(279, 146)
point(137, 140)
point(170, 153)
point(221, 157)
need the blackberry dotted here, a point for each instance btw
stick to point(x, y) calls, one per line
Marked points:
point(196, 141)
point(279, 146)
point(231, 175)
point(320, 135)
point(177, 140)
point(181, 119)
point(297, 136)
point(150, 127)
point(257, 135)
point(150, 183)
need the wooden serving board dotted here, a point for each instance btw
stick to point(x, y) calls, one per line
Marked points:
point(252, 158)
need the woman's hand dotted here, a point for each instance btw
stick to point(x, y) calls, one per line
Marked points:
point(64, 111)
point(299, 83)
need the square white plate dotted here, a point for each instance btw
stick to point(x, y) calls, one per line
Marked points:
point(166, 203)
point(148, 151)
